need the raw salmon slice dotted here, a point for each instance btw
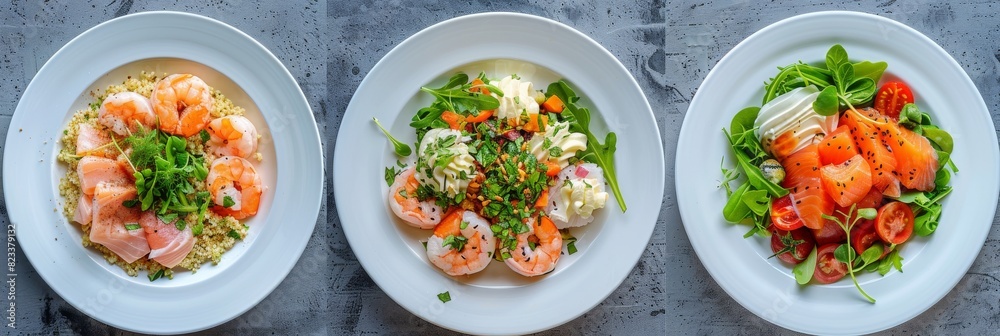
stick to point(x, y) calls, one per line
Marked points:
point(168, 245)
point(917, 161)
point(802, 178)
point(93, 170)
point(84, 210)
point(112, 220)
point(88, 139)
point(837, 146)
point(880, 159)
point(847, 183)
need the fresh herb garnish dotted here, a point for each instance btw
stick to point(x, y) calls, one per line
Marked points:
point(227, 202)
point(153, 276)
point(401, 148)
point(132, 226)
point(390, 175)
point(204, 136)
point(579, 119)
point(444, 297)
point(845, 253)
point(457, 243)
point(235, 235)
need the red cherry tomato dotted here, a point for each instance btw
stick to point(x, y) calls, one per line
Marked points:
point(801, 237)
point(894, 223)
point(891, 98)
point(828, 268)
point(783, 216)
point(863, 235)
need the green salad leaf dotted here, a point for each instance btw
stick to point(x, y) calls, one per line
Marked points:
point(579, 120)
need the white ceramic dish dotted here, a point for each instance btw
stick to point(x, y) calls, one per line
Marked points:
point(227, 59)
point(496, 300)
point(932, 265)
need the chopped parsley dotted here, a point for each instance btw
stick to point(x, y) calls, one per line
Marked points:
point(132, 226)
point(457, 243)
point(228, 202)
point(444, 297)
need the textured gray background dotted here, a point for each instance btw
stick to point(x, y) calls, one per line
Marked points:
point(669, 46)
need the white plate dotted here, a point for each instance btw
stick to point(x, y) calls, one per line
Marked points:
point(164, 42)
point(932, 265)
point(496, 301)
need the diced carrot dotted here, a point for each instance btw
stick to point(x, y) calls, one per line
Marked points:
point(543, 200)
point(533, 123)
point(478, 86)
point(483, 116)
point(552, 168)
point(553, 104)
point(453, 119)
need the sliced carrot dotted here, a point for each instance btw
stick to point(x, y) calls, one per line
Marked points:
point(479, 86)
point(552, 168)
point(483, 116)
point(543, 200)
point(453, 119)
point(553, 104)
point(533, 123)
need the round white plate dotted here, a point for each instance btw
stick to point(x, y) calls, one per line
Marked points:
point(227, 59)
point(932, 265)
point(496, 301)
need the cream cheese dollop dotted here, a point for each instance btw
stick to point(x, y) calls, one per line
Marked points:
point(583, 196)
point(518, 98)
point(578, 191)
point(791, 116)
point(557, 143)
point(443, 161)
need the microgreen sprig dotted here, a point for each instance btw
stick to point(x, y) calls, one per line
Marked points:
point(401, 148)
point(845, 253)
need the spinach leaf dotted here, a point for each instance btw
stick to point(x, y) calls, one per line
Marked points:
point(870, 70)
point(804, 271)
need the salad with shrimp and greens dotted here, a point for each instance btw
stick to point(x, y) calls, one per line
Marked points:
point(839, 167)
point(502, 171)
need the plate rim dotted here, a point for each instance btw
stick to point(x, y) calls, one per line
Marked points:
point(339, 191)
point(686, 219)
point(279, 273)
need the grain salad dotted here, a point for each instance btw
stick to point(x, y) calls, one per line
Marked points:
point(157, 174)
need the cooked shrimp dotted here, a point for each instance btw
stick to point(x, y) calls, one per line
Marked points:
point(542, 259)
point(183, 103)
point(232, 135)
point(403, 201)
point(234, 179)
point(477, 251)
point(123, 112)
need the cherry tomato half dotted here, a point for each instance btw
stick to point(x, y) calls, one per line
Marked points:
point(828, 268)
point(891, 98)
point(802, 238)
point(783, 216)
point(894, 223)
point(863, 235)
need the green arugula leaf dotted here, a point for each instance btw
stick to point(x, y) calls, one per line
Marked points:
point(596, 152)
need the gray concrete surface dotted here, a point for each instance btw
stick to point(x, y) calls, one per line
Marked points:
point(669, 46)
